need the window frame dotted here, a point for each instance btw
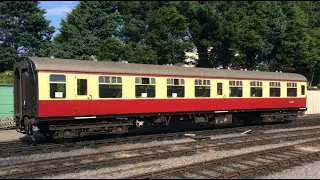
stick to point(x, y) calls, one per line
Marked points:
point(64, 83)
point(292, 86)
point(205, 83)
point(235, 84)
point(256, 85)
point(139, 83)
point(108, 81)
point(79, 87)
point(303, 90)
point(274, 85)
point(171, 83)
point(219, 83)
point(295, 92)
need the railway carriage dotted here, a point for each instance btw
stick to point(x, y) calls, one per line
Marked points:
point(69, 98)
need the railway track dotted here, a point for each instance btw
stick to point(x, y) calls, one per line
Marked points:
point(97, 160)
point(240, 166)
point(18, 148)
point(14, 148)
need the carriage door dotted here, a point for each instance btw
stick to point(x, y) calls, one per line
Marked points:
point(83, 97)
point(17, 94)
point(220, 90)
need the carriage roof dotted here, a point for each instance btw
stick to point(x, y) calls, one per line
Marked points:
point(71, 65)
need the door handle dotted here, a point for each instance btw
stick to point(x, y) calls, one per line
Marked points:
point(90, 97)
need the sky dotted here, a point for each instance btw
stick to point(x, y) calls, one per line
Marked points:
point(57, 10)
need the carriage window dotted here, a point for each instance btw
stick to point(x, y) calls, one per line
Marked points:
point(101, 79)
point(256, 89)
point(113, 79)
point(202, 88)
point(57, 78)
point(235, 89)
point(219, 89)
point(292, 92)
point(57, 86)
point(275, 89)
point(303, 90)
point(119, 80)
point(110, 89)
point(291, 89)
point(275, 92)
point(137, 80)
point(81, 86)
point(153, 81)
point(145, 80)
point(145, 87)
point(175, 88)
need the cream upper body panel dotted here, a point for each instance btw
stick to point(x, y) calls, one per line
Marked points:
point(128, 87)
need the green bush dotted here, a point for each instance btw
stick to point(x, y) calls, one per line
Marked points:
point(6, 77)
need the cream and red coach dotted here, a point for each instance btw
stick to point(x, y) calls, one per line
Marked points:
point(68, 98)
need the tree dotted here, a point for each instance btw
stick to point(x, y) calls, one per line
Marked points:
point(227, 42)
point(142, 54)
point(307, 58)
point(296, 49)
point(112, 50)
point(23, 29)
point(253, 43)
point(167, 29)
point(157, 27)
point(7, 57)
point(85, 28)
point(202, 27)
point(309, 64)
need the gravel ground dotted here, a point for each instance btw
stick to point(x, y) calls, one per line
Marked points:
point(303, 171)
point(137, 168)
point(85, 150)
point(289, 129)
point(132, 169)
point(13, 135)
point(10, 135)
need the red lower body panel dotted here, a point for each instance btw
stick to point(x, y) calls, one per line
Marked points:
point(67, 108)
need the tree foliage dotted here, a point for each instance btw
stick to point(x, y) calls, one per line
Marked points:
point(6, 77)
point(140, 32)
point(23, 30)
point(265, 35)
point(85, 28)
